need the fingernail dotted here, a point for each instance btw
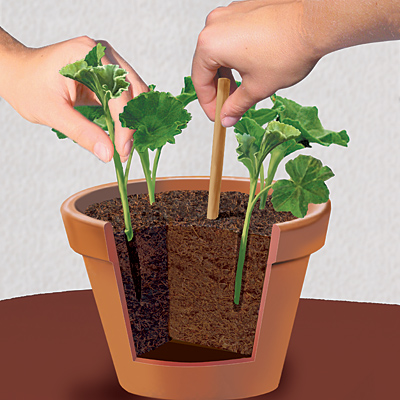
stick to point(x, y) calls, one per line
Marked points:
point(128, 148)
point(227, 122)
point(101, 151)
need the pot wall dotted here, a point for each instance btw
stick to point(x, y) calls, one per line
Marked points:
point(291, 245)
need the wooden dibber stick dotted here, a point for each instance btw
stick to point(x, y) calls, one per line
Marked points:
point(218, 148)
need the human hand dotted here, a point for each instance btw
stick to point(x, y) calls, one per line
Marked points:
point(43, 96)
point(264, 41)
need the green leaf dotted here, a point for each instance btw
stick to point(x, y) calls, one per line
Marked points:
point(92, 113)
point(286, 130)
point(262, 115)
point(157, 117)
point(106, 81)
point(252, 152)
point(249, 136)
point(246, 153)
point(287, 148)
point(188, 93)
point(306, 120)
point(59, 134)
point(305, 186)
point(250, 127)
point(276, 134)
point(93, 58)
point(112, 80)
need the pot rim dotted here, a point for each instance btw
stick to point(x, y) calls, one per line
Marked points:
point(74, 207)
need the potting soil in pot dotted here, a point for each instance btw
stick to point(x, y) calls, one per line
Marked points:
point(179, 272)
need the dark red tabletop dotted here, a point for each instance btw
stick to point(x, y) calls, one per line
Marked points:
point(52, 347)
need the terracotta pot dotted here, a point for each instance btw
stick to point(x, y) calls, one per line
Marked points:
point(291, 245)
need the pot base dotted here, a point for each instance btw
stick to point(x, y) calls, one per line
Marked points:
point(179, 351)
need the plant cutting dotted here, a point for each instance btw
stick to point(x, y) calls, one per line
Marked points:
point(107, 82)
point(157, 118)
point(290, 127)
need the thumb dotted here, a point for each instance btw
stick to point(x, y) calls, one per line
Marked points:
point(84, 132)
point(237, 104)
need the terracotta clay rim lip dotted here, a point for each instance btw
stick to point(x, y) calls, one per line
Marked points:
point(315, 211)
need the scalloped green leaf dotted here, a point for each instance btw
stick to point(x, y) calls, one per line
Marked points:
point(188, 93)
point(279, 133)
point(306, 120)
point(286, 130)
point(106, 81)
point(112, 80)
point(252, 152)
point(157, 117)
point(250, 127)
point(306, 185)
point(246, 151)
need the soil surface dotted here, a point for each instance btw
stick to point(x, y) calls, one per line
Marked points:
point(179, 269)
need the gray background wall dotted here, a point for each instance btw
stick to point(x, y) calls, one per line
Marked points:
point(357, 89)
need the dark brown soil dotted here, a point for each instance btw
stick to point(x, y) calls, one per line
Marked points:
point(179, 273)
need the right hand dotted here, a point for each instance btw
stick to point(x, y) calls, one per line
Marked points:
point(264, 41)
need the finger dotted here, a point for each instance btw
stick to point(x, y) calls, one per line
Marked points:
point(137, 85)
point(222, 72)
point(244, 97)
point(204, 77)
point(123, 136)
point(87, 134)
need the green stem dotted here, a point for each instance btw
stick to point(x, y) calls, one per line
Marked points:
point(154, 171)
point(144, 159)
point(262, 184)
point(120, 176)
point(128, 166)
point(276, 158)
point(245, 233)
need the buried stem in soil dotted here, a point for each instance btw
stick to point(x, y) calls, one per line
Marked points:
point(245, 234)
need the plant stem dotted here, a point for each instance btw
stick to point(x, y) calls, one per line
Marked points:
point(276, 158)
point(154, 171)
point(128, 166)
point(262, 184)
point(120, 176)
point(245, 233)
point(144, 159)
